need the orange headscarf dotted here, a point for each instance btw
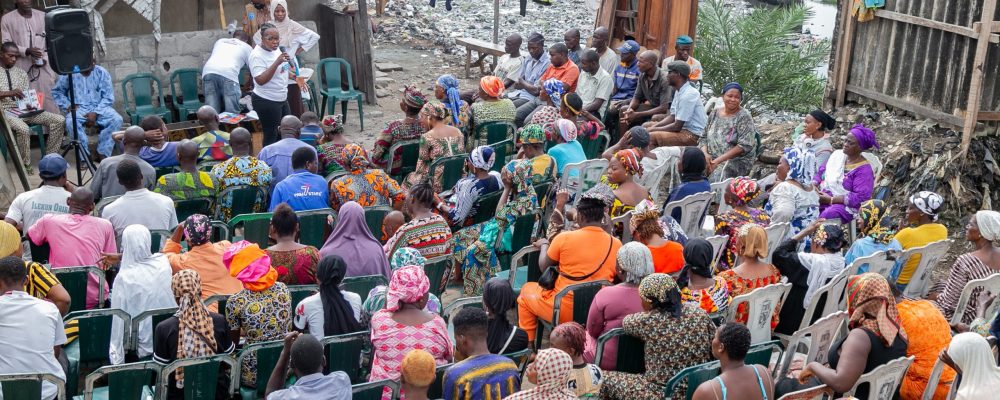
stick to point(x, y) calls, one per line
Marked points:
point(250, 265)
point(492, 85)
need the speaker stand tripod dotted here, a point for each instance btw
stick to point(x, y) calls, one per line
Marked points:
point(82, 156)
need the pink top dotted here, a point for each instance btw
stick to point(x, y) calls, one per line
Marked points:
point(75, 240)
point(609, 308)
point(392, 340)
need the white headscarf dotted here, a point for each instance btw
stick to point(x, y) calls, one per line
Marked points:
point(142, 284)
point(980, 374)
point(989, 224)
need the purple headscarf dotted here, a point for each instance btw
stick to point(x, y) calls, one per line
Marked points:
point(352, 241)
point(865, 136)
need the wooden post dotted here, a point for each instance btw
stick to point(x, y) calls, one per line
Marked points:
point(366, 65)
point(496, 21)
point(976, 84)
point(846, 48)
point(222, 15)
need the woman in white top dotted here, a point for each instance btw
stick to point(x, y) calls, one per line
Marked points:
point(272, 71)
point(331, 311)
point(794, 199)
point(142, 284)
point(295, 39)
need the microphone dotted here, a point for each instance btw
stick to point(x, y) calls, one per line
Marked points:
point(290, 63)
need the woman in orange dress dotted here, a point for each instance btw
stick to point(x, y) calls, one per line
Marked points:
point(751, 273)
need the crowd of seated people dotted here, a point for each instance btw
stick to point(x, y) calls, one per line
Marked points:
point(654, 277)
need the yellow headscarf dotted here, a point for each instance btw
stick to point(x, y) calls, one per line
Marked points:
point(10, 239)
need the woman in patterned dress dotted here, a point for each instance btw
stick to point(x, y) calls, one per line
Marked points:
point(730, 136)
point(427, 231)
point(983, 230)
point(543, 166)
point(460, 207)
point(332, 144)
point(621, 173)
point(875, 233)
point(550, 95)
point(459, 113)
point(408, 128)
point(677, 336)
point(493, 107)
point(376, 297)
point(794, 199)
point(698, 286)
point(366, 186)
point(441, 140)
point(295, 262)
point(740, 192)
point(752, 273)
point(550, 374)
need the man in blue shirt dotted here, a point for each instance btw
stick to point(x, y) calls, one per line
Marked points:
point(625, 78)
point(303, 189)
point(686, 122)
point(303, 354)
point(95, 100)
point(525, 88)
point(278, 155)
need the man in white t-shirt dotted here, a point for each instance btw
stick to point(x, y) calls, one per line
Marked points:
point(138, 205)
point(50, 198)
point(32, 329)
point(509, 66)
point(221, 73)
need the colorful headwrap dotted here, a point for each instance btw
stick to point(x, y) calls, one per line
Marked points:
point(492, 85)
point(413, 97)
point(871, 305)
point(408, 285)
point(875, 221)
point(684, 39)
point(657, 287)
point(197, 229)
point(196, 332)
point(454, 103)
point(752, 241)
point(355, 158)
point(588, 129)
point(406, 256)
point(732, 85)
point(482, 157)
point(566, 129)
point(989, 224)
point(631, 161)
point(743, 189)
point(554, 88)
point(532, 134)
point(829, 236)
point(801, 165)
point(333, 123)
point(865, 136)
point(600, 192)
point(635, 259)
point(826, 121)
point(10, 240)
point(250, 265)
point(434, 109)
point(928, 203)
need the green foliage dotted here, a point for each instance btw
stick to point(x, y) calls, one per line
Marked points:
point(759, 50)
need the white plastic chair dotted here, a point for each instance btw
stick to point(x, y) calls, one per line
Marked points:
point(930, 255)
point(776, 233)
point(763, 302)
point(578, 177)
point(879, 262)
point(718, 244)
point(974, 287)
point(625, 220)
point(821, 392)
point(884, 380)
point(651, 179)
point(817, 339)
point(718, 195)
point(693, 209)
point(835, 291)
point(934, 380)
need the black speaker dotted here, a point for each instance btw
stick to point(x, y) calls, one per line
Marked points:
point(69, 40)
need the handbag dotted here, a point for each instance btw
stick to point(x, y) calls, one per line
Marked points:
point(548, 279)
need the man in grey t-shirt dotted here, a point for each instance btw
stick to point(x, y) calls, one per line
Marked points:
point(105, 182)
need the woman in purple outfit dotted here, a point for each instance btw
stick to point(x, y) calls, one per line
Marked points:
point(847, 179)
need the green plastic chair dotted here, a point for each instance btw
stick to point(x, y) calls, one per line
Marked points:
point(363, 284)
point(520, 235)
point(373, 390)
point(583, 295)
point(437, 388)
point(494, 132)
point(74, 280)
point(255, 227)
point(486, 207)
point(157, 237)
point(344, 353)
point(154, 316)
point(335, 174)
point(314, 226)
point(139, 103)
point(631, 351)
point(503, 150)
point(130, 381)
point(762, 353)
point(197, 205)
point(594, 147)
point(187, 103)
point(300, 292)
point(242, 199)
point(520, 358)
point(201, 376)
point(90, 349)
point(220, 300)
point(267, 358)
point(694, 376)
point(29, 386)
point(330, 72)
point(36, 130)
point(206, 166)
point(409, 154)
point(373, 218)
point(454, 307)
point(523, 268)
point(452, 168)
point(435, 269)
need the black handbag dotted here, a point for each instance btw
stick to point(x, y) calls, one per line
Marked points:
point(548, 279)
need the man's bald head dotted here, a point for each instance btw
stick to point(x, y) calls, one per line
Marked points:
point(187, 153)
point(649, 56)
point(135, 137)
point(647, 62)
point(290, 126)
point(600, 39)
point(208, 117)
point(81, 201)
point(513, 43)
point(240, 140)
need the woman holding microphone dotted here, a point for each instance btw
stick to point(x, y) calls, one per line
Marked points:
point(272, 72)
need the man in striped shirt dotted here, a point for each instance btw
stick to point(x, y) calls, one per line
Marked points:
point(41, 283)
point(479, 375)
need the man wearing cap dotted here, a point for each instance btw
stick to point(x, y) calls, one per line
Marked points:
point(600, 40)
point(686, 121)
point(683, 46)
point(652, 93)
point(50, 198)
point(213, 145)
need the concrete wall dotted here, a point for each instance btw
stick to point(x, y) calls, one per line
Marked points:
point(183, 15)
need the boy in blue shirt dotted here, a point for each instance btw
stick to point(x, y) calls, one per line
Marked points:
point(303, 189)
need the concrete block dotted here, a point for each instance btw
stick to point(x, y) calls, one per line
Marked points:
point(144, 45)
point(118, 49)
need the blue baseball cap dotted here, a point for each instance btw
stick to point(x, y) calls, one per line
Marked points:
point(52, 166)
point(630, 46)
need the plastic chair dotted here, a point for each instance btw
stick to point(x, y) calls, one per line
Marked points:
point(219, 300)
point(821, 392)
point(578, 177)
point(374, 216)
point(451, 170)
point(520, 358)
point(363, 284)
point(435, 391)
point(762, 353)
point(762, 302)
point(934, 380)
point(201, 376)
point(189, 207)
point(593, 148)
point(334, 175)
point(157, 238)
point(242, 199)
point(494, 132)
point(884, 380)
point(300, 292)
point(817, 339)
point(331, 87)
point(255, 227)
point(503, 150)
point(29, 386)
point(583, 295)
point(206, 166)
point(99, 208)
point(485, 207)
point(90, 350)
point(880, 262)
point(718, 244)
point(435, 269)
point(409, 154)
point(832, 296)
point(267, 358)
point(125, 381)
point(776, 233)
point(457, 306)
point(75, 281)
point(693, 210)
point(373, 390)
point(930, 255)
point(694, 376)
point(718, 195)
point(520, 273)
point(990, 284)
point(139, 104)
point(631, 351)
point(344, 353)
point(624, 221)
point(651, 179)
point(160, 171)
point(188, 103)
point(154, 316)
point(314, 225)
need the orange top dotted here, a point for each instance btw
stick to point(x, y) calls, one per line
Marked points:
point(579, 252)
point(928, 333)
point(205, 259)
point(568, 73)
point(669, 258)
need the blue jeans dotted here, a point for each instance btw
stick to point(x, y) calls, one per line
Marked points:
point(221, 93)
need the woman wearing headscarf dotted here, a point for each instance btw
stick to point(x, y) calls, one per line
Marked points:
point(193, 331)
point(567, 149)
point(479, 182)
point(808, 271)
point(502, 337)
point(352, 241)
point(970, 355)
point(587, 125)
point(493, 107)
point(376, 297)
point(295, 39)
point(532, 142)
point(814, 136)
point(142, 284)
point(983, 231)
point(331, 146)
point(612, 304)
point(364, 185)
point(426, 231)
point(331, 311)
point(875, 231)
point(739, 194)
point(202, 256)
point(921, 229)
point(646, 229)
point(677, 336)
point(446, 91)
point(752, 272)
point(404, 325)
point(294, 261)
point(475, 246)
point(793, 198)
point(730, 138)
point(551, 96)
point(698, 286)
point(261, 312)
point(692, 167)
point(847, 179)
point(408, 128)
point(875, 338)
point(623, 168)
point(550, 374)
point(441, 140)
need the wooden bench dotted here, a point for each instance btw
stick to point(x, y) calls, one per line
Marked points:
point(484, 49)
